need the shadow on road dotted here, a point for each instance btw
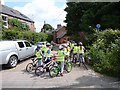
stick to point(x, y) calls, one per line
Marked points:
point(95, 82)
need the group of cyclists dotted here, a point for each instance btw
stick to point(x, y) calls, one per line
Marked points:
point(70, 50)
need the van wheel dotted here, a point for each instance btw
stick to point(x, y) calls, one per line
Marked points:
point(12, 61)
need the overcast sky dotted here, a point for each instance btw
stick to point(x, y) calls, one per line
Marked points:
point(50, 11)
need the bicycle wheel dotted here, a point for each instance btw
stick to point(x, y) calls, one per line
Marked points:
point(29, 67)
point(68, 67)
point(39, 70)
point(54, 71)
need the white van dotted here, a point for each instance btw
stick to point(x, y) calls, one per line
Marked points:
point(12, 51)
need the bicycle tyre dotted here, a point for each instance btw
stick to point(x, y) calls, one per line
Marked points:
point(54, 71)
point(68, 67)
point(29, 67)
point(39, 70)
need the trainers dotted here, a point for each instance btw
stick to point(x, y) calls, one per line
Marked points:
point(61, 74)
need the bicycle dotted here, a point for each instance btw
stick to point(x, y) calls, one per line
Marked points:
point(75, 57)
point(54, 70)
point(46, 65)
point(31, 66)
point(81, 60)
point(68, 64)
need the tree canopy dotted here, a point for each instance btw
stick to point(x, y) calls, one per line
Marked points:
point(47, 28)
point(82, 16)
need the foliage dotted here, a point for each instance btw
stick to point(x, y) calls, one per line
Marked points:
point(0, 27)
point(105, 53)
point(50, 37)
point(47, 28)
point(81, 15)
point(32, 37)
point(18, 25)
point(17, 30)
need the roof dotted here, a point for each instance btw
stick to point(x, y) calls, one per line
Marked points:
point(61, 35)
point(14, 13)
point(58, 29)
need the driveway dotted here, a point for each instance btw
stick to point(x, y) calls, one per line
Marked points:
point(79, 78)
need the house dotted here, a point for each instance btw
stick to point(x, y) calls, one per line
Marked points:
point(9, 13)
point(59, 34)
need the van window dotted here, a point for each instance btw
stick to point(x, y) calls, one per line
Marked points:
point(21, 45)
point(27, 44)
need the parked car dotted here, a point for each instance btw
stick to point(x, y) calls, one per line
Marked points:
point(12, 51)
point(39, 44)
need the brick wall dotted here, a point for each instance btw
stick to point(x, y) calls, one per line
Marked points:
point(30, 24)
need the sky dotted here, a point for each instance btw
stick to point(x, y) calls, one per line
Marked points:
point(50, 11)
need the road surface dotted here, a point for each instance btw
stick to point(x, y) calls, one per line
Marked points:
point(79, 78)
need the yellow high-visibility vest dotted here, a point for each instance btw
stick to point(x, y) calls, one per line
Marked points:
point(67, 50)
point(60, 56)
point(75, 50)
point(80, 49)
point(38, 54)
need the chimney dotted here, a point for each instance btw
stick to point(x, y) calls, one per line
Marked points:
point(58, 26)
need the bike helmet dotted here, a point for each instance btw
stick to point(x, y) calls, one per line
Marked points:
point(48, 44)
point(60, 47)
point(65, 45)
point(80, 43)
point(75, 44)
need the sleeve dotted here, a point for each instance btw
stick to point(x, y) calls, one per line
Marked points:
point(48, 51)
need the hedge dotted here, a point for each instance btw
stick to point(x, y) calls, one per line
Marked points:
point(32, 37)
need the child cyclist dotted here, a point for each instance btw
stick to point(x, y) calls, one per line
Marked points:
point(67, 51)
point(60, 58)
point(81, 49)
point(39, 56)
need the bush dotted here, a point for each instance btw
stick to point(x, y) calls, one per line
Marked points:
point(105, 53)
point(32, 37)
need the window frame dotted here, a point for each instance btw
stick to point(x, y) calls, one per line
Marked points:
point(19, 44)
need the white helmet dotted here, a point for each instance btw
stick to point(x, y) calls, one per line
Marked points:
point(60, 47)
point(65, 45)
point(75, 44)
point(48, 44)
point(80, 43)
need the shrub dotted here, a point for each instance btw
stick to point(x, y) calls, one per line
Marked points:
point(32, 37)
point(105, 53)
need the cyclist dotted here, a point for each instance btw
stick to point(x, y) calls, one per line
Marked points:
point(67, 51)
point(39, 56)
point(44, 49)
point(81, 52)
point(48, 54)
point(75, 51)
point(60, 58)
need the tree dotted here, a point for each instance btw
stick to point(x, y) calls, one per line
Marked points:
point(81, 15)
point(0, 27)
point(47, 28)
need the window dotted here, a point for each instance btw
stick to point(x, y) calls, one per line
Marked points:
point(21, 45)
point(27, 44)
point(5, 20)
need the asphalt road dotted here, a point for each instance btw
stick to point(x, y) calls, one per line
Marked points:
point(79, 78)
